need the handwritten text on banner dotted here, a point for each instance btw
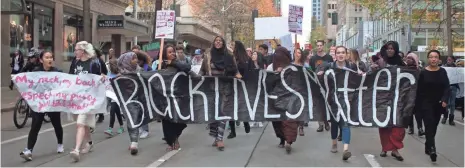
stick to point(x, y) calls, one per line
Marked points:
point(61, 92)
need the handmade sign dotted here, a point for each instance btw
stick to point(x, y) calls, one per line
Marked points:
point(61, 92)
point(381, 99)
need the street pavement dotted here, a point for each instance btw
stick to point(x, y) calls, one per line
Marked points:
point(256, 149)
point(9, 98)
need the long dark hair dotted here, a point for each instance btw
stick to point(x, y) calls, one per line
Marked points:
point(282, 58)
point(395, 59)
point(239, 52)
point(303, 57)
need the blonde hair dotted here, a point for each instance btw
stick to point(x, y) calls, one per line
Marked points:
point(87, 47)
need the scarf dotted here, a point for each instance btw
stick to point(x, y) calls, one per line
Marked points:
point(218, 58)
point(124, 63)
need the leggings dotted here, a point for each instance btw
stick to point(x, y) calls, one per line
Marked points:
point(217, 130)
point(345, 131)
point(115, 110)
point(37, 119)
point(232, 125)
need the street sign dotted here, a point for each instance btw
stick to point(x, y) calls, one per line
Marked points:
point(295, 19)
point(110, 23)
point(165, 24)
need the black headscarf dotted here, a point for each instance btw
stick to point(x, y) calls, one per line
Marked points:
point(394, 60)
point(221, 58)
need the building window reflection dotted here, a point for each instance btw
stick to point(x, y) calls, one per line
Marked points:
point(43, 28)
point(20, 34)
point(72, 33)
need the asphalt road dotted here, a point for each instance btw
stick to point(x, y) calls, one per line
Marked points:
point(256, 149)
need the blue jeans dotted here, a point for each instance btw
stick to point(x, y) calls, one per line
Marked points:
point(451, 103)
point(345, 130)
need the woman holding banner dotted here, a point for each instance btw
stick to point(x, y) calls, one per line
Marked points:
point(341, 63)
point(432, 96)
point(172, 130)
point(412, 62)
point(244, 63)
point(300, 61)
point(46, 58)
point(85, 63)
point(286, 130)
point(128, 63)
point(219, 62)
point(392, 137)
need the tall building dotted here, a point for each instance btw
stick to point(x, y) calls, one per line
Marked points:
point(318, 11)
point(277, 6)
point(331, 20)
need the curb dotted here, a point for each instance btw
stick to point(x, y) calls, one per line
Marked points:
point(7, 109)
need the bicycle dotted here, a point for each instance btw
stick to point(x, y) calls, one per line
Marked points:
point(22, 109)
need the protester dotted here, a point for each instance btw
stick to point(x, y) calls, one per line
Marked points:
point(85, 63)
point(392, 137)
point(144, 61)
point(219, 63)
point(317, 62)
point(47, 59)
point(300, 60)
point(256, 63)
point(454, 88)
point(170, 64)
point(354, 59)
point(286, 130)
point(32, 60)
point(432, 96)
point(268, 59)
point(17, 62)
point(243, 66)
point(128, 63)
point(412, 61)
point(181, 56)
point(114, 107)
point(104, 71)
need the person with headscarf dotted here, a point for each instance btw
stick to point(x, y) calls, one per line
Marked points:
point(432, 96)
point(286, 130)
point(128, 63)
point(219, 62)
point(391, 137)
point(412, 62)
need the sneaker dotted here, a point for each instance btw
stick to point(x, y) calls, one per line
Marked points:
point(260, 124)
point(75, 155)
point(143, 134)
point(109, 132)
point(346, 155)
point(334, 148)
point(120, 130)
point(26, 154)
point(87, 148)
point(133, 148)
point(60, 148)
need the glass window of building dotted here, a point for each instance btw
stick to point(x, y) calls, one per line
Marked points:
point(42, 27)
point(20, 33)
point(72, 33)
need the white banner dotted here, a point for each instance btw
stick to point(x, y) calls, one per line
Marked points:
point(61, 92)
point(165, 24)
point(455, 74)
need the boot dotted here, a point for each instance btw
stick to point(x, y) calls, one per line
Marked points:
point(421, 132)
point(443, 120)
point(320, 128)
point(451, 120)
point(231, 135)
point(410, 130)
point(432, 154)
point(327, 127)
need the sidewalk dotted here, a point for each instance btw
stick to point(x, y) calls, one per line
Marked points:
point(9, 98)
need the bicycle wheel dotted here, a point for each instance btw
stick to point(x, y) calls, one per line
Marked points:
point(21, 110)
point(46, 118)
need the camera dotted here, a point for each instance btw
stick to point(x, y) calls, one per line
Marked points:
point(128, 11)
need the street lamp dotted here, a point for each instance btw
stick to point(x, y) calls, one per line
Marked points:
point(223, 10)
